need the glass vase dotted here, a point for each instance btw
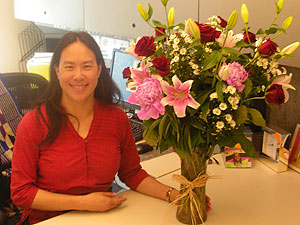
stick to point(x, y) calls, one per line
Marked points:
point(191, 167)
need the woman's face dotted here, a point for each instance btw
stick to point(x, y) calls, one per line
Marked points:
point(77, 73)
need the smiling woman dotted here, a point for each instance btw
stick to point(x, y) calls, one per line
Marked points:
point(70, 147)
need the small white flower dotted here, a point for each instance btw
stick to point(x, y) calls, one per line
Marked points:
point(263, 87)
point(183, 51)
point(176, 41)
point(232, 123)
point(195, 66)
point(231, 99)
point(236, 100)
point(196, 72)
point(259, 63)
point(213, 95)
point(223, 106)
point(172, 36)
point(217, 111)
point(175, 47)
point(228, 117)
point(235, 107)
point(175, 59)
point(187, 39)
point(220, 124)
point(231, 89)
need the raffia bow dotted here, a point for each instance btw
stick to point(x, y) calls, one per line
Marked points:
point(188, 194)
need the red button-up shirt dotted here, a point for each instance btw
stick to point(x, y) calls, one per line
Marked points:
point(72, 164)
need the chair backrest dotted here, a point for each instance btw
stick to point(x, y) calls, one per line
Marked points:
point(25, 87)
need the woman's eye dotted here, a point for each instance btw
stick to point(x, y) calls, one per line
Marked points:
point(68, 67)
point(87, 66)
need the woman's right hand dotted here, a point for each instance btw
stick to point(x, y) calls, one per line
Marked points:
point(101, 201)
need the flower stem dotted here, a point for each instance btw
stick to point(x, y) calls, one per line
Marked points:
point(250, 99)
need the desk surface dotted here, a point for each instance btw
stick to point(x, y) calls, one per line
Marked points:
point(248, 196)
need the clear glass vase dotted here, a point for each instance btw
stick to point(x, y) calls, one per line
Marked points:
point(191, 167)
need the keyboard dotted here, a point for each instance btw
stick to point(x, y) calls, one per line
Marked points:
point(137, 128)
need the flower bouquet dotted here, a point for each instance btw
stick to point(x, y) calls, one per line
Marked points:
point(196, 84)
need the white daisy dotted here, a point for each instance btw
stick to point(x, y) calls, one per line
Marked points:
point(213, 95)
point(183, 51)
point(228, 117)
point(220, 124)
point(232, 123)
point(217, 111)
point(223, 106)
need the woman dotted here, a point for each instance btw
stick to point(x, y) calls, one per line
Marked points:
point(68, 150)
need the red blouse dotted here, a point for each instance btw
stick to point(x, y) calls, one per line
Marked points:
point(71, 164)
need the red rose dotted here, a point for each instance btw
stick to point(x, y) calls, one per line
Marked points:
point(162, 65)
point(126, 73)
point(275, 95)
point(252, 37)
point(268, 48)
point(223, 22)
point(145, 46)
point(208, 33)
point(160, 32)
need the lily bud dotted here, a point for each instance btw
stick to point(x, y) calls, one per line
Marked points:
point(287, 22)
point(192, 28)
point(232, 20)
point(245, 13)
point(142, 12)
point(171, 17)
point(224, 72)
point(290, 48)
point(164, 2)
point(279, 6)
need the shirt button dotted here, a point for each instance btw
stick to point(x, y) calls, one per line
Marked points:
point(85, 141)
point(88, 166)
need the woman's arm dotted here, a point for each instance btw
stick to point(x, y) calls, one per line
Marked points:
point(97, 201)
point(152, 187)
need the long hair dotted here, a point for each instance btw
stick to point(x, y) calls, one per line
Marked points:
point(106, 90)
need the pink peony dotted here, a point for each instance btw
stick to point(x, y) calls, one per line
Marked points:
point(236, 76)
point(148, 95)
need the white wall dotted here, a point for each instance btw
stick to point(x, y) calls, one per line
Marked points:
point(9, 30)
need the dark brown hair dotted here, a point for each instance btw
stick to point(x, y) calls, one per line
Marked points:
point(105, 90)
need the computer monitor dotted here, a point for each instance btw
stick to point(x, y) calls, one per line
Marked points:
point(120, 61)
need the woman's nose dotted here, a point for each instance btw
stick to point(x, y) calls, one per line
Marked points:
point(78, 75)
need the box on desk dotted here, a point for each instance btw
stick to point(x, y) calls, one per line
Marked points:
point(236, 157)
point(273, 153)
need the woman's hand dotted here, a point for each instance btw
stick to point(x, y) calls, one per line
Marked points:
point(101, 201)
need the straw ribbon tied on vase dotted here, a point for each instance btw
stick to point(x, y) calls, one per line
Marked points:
point(188, 194)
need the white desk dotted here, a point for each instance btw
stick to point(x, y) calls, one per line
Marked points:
point(252, 196)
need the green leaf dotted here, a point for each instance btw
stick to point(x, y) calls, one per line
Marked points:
point(219, 89)
point(241, 114)
point(201, 98)
point(159, 38)
point(230, 51)
point(204, 110)
point(272, 30)
point(260, 31)
point(162, 125)
point(248, 87)
point(150, 137)
point(187, 137)
point(212, 60)
point(228, 141)
point(195, 123)
point(196, 137)
point(256, 117)
point(158, 24)
point(247, 145)
point(165, 144)
point(181, 26)
point(242, 44)
point(150, 11)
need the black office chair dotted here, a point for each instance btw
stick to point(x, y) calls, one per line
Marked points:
point(25, 87)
